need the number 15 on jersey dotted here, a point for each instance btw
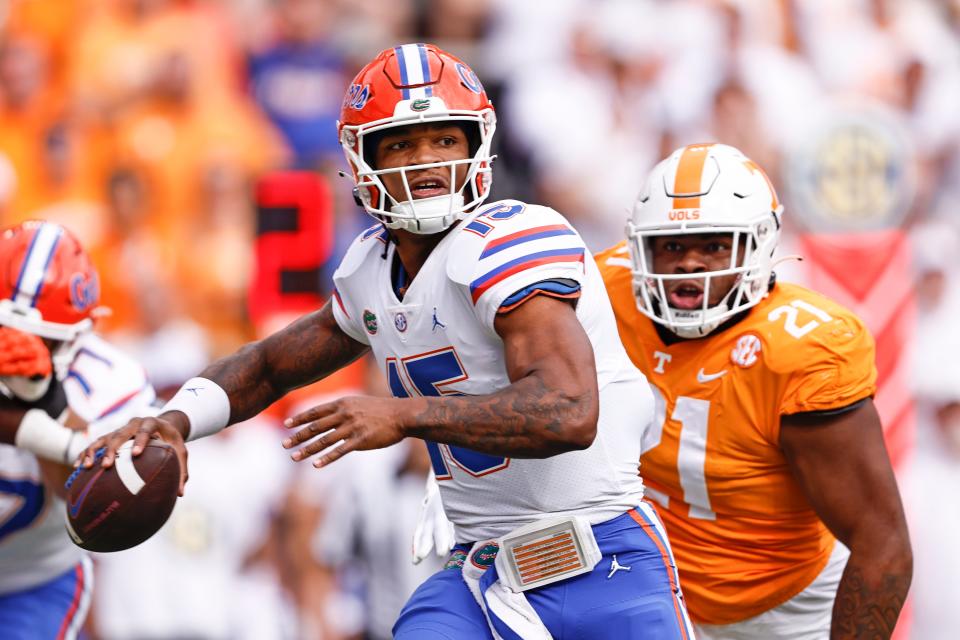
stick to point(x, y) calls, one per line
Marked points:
point(431, 374)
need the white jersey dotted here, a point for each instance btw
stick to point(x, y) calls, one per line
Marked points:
point(101, 384)
point(440, 340)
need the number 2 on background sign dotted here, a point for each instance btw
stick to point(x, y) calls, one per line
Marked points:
point(693, 415)
point(430, 374)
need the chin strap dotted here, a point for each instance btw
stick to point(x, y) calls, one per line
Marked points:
point(707, 324)
point(781, 260)
point(386, 242)
point(427, 216)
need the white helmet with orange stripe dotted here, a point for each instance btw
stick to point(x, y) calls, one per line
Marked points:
point(703, 191)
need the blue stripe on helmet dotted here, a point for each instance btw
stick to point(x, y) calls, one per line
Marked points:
point(425, 65)
point(402, 63)
point(23, 267)
point(46, 264)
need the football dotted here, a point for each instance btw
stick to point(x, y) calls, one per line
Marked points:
point(120, 507)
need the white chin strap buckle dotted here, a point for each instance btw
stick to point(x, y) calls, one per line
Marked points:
point(706, 321)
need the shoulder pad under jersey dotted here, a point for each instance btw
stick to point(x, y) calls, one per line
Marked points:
point(497, 227)
point(373, 239)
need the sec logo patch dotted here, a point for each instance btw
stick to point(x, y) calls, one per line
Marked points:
point(745, 352)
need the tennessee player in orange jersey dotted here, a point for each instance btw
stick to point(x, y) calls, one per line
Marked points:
point(766, 447)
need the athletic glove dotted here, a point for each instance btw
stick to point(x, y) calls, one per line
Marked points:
point(23, 354)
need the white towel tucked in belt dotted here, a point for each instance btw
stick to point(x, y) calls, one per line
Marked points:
point(510, 608)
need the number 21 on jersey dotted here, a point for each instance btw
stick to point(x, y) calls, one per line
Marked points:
point(693, 415)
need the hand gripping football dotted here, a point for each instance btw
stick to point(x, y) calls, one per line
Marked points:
point(120, 507)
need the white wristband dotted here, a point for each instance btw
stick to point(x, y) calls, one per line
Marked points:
point(205, 404)
point(43, 436)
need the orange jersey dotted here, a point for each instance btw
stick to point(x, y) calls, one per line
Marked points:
point(744, 535)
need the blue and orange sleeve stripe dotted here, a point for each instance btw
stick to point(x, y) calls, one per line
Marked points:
point(550, 288)
point(527, 235)
point(483, 284)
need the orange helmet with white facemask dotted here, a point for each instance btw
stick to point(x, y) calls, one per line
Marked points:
point(698, 189)
point(48, 286)
point(408, 85)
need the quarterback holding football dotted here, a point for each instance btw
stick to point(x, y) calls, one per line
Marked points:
point(496, 336)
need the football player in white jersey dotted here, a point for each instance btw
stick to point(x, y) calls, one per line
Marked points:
point(53, 370)
point(498, 341)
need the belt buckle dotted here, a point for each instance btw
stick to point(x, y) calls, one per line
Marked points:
point(546, 551)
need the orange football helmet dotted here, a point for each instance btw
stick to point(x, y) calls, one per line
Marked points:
point(48, 285)
point(408, 85)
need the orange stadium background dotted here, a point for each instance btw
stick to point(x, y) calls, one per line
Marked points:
point(191, 146)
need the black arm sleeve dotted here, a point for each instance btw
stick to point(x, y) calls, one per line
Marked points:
point(829, 413)
point(54, 401)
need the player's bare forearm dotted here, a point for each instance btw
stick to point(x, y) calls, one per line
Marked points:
point(551, 405)
point(842, 464)
point(54, 476)
point(528, 419)
point(10, 417)
point(871, 595)
point(260, 373)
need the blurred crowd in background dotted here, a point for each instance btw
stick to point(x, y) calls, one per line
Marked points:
point(145, 125)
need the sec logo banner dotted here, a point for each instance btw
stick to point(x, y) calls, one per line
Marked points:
point(854, 171)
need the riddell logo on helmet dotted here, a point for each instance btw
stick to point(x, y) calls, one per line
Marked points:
point(684, 214)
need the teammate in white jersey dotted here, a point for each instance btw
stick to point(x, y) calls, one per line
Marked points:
point(497, 338)
point(52, 370)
